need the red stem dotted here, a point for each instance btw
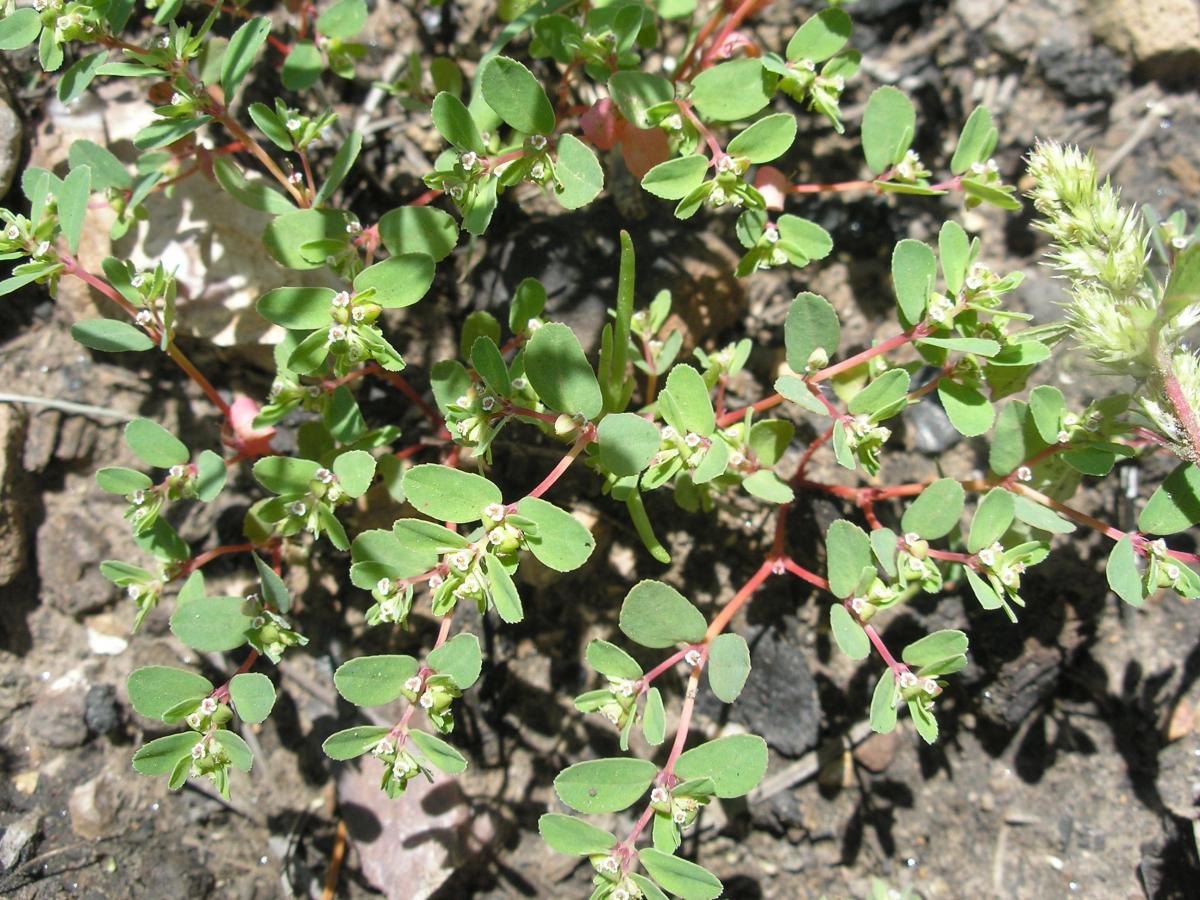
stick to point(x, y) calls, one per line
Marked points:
point(1183, 409)
point(586, 437)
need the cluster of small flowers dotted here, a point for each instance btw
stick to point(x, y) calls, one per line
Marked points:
point(681, 808)
point(611, 881)
point(400, 766)
point(270, 633)
point(393, 602)
point(434, 694)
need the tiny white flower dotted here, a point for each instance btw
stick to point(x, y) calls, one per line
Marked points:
point(495, 512)
point(471, 584)
point(177, 98)
point(164, 42)
point(43, 248)
point(337, 334)
point(469, 159)
point(930, 686)
point(463, 401)
point(778, 257)
point(736, 458)
point(195, 721)
point(13, 232)
point(496, 536)
point(858, 604)
point(384, 586)
point(1179, 242)
point(725, 164)
point(1024, 473)
point(987, 556)
point(1064, 437)
point(427, 700)
point(658, 795)
point(324, 476)
point(488, 403)
point(610, 865)
point(1173, 572)
point(538, 142)
point(461, 560)
point(384, 748)
point(808, 65)
point(341, 300)
point(455, 191)
point(199, 751)
point(295, 178)
point(692, 657)
point(692, 439)
point(537, 171)
point(771, 233)
point(358, 314)
point(144, 317)
point(911, 538)
point(519, 384)
point(435, 582)
point(668, 433)
point(628, 688)
point(138, 497)
point(133, 592)
point(619, 894)
point(293, 124)
point(978, 168)
point(297, 509)
point(679, 817)
point(413, 684)
point(907, 679)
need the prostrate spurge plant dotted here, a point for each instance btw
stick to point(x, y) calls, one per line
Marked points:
point(640, 418)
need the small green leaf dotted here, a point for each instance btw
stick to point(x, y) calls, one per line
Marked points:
point(287, 236)
point(107, 170)
point(374, 680)
point(1175, 504)
point(285, 474)
point(343, 19)
point(885, 391)
point(503, 591)
point(992, 518)
point(153, 690)
point(680, 877)
point(936, 511)
point(459, 658)
point(254, 194)
point(216, 624)
point(355, 470)
point(635, 92)
point(804, 236)
point(888, 128)
point(736, 764)
point(154, 445)
point(453, 122)
point(768, 441)
point(253, 696)
point(609, 659)
point(1033, 513)
point(418, 229)
point(979, 346)
point(1047, 406)
point(626, 443)
point(302, 66)
point(274, 591)
point(968, 410)
point(19, 28)
point(240, 53)
point(847, 553)
point(676, 178)
point(987, 597)
point(236, 749)
point(559, 371)
point(111, 336)
point(820, 37)
point(567, 834)
point(732, 90)
point(883, 703)
point(76, 79)
point(656, 615)
point(811, 324)
point(163, 132)
point(914, 270)
point(578, 171)
point(654, 719)
point(934, 648)
point(955, 251)
point(924, 721)
point(767, 139)
point(73, 203)
point(119, 480)
point(850, 636)
point(343, 161)
point(1122, 573)
point(976, 142)
point(604, 785)
point(398, 282)
point(688, 407)
point(352, 742)
point(560, 541)
point(515, 95)
point(160, 757)
point(297, 308)
point(447, 494)
point(766, 485)
point(728, 666)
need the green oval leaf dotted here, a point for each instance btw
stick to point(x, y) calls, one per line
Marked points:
point(604, 785)
point(728, 666)
point(736, 764)
point(733, 90)
point(155, 689)
point(680, 877)
point(398, 282)
point(811, 324)
point(578, 175)
point(888, 128)
point(253, 696)
point(161, 756)
point(676, 178)
point(459, 658)
point(626, 443)
point(936, 511)
point(447, 494)
point(560, 541)
point(352, 742)
point(559, 371)
point(767, 139)
point(515, 96)
point(154, 445)
point(240, 53)
point(298, 308)
point(656, 615)
point(1175, 504)
point(992, 518)
point(847, 553)
point(567, 834)
point(850, 637)
point(374, 680)
point(214, 624)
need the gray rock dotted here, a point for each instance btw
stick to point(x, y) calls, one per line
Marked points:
point(10, 145)
point(93, 807)
point(101, 713)
point(57, 719)
point(1162, 37)
point(1092, 73)
point(17, 836)
point(931, 430)
point(779, 701)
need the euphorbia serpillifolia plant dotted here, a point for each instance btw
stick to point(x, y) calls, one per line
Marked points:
point(702, 130)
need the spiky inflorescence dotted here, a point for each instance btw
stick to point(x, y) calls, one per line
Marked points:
point(1161, 412)
point(1101, 248)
